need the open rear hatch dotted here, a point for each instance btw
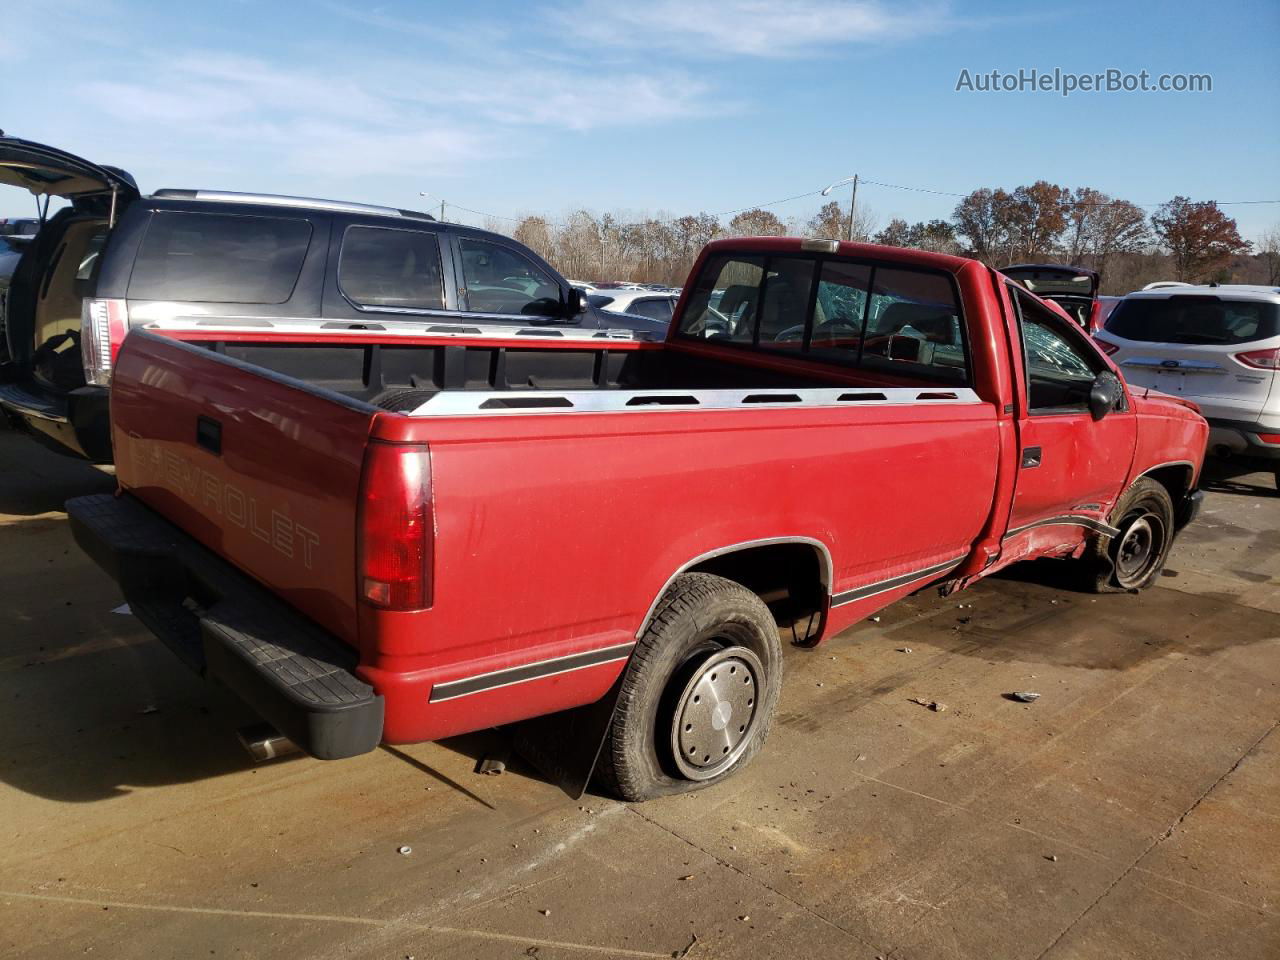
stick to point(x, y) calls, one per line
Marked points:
point(1074, 289)
point(1052, 280)
point(45, 171)
point(43, 304)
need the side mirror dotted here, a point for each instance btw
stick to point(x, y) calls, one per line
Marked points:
point(1105, 394)
point(574, 304)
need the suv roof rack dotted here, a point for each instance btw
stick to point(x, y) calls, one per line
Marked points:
point(276, 200)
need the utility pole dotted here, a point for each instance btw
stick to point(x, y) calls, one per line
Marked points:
point(853, 202)
point(442, 211)
point(853, 199)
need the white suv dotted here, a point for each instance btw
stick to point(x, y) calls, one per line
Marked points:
point(1218, 346)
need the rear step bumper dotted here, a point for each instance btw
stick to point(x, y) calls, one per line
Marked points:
point(225, 625)
point(75, 422)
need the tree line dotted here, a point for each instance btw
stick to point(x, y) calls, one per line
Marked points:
point(1041, 223)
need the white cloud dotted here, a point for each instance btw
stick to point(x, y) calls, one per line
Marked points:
point(382, 118)
point(755, 28)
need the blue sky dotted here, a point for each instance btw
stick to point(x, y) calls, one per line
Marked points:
point(645, 106)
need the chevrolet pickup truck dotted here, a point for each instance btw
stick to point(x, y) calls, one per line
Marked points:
point(539, 523)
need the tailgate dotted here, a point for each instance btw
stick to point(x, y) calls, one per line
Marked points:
point(260, 468)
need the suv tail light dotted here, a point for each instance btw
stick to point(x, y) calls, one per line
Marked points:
point(1261, 359)
point(1106, 347)
point(396, 527)
point(103, 324)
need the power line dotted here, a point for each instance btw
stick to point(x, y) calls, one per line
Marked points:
point(878, 183)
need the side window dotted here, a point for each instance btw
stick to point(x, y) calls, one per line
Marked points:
point(219, 258)
point(914, 326)
point(381, 267)
point(722, 305)
point(500, 280)
point(1059, 368)
point(840, 311)
point(654, 308)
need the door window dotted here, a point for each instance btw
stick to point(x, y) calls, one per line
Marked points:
point(500, 280)
point(1059, 367)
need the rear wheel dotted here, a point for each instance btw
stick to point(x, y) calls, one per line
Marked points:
point(698, 697)
point(1132, 560)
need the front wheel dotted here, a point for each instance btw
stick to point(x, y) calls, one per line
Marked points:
point(1133, 559)
point(699, 693)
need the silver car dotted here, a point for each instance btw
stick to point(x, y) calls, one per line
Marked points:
point(1218, 346)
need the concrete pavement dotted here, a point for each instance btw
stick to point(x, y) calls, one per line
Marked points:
point(1132, 811)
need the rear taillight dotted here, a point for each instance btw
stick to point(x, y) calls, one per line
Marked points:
point(103, 324)
point(1107, 348)
point(396, 527)
point(1269, 437)
point(1261, 359)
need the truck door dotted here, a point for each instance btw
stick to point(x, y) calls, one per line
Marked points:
point(1071, 467)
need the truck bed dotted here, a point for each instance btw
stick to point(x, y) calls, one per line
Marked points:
point(560, 512)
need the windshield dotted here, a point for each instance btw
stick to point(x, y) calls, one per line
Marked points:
point(1194, 319)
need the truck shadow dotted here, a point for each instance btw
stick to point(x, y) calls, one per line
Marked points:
point(1026, 616)
point(36, 480)
point(1239, 479)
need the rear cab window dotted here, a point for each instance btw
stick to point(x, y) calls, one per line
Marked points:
point(896, 320)
point(219, 258)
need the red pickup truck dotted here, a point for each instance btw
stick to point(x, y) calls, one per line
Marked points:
point(533, 523)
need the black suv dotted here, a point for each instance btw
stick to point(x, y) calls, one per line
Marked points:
point(113, 258)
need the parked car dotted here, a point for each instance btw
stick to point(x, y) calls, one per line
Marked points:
point(641, 303)
point(19, 229)
point(1075, 289)
point(1218, 346)
point(538, 521)
point(1106, 304)
point(114, 259)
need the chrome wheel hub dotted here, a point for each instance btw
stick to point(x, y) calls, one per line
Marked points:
point(716, 713)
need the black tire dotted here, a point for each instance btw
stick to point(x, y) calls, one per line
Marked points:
point(399, 399)
point(706, 629)
point(1132, 561)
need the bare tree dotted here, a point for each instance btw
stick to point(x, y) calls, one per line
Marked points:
point(1269, 254)
point(1081, 215)
point(1118, 227)
point(536, 234)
